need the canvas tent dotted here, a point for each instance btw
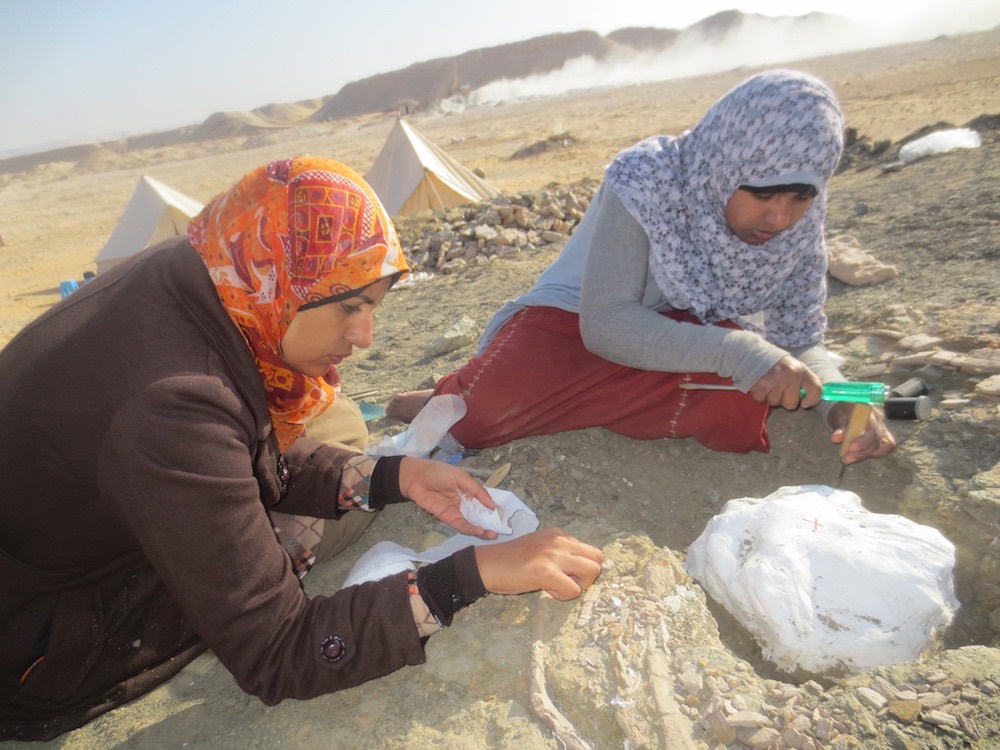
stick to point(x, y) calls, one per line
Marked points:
point(412, 174)
point(154, 213)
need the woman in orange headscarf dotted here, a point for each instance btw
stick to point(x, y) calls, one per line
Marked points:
point(156, 470)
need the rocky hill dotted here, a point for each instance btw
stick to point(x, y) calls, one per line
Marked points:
point(423, 85)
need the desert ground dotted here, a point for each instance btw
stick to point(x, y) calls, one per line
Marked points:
point(936, 220)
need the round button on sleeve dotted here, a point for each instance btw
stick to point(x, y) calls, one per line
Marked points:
point(333, 648)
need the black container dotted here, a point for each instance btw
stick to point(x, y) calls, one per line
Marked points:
point(910, 389)
point(907, 408)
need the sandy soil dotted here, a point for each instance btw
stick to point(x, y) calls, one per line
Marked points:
point(936, 220)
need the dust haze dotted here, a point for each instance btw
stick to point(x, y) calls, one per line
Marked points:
point(759, 40)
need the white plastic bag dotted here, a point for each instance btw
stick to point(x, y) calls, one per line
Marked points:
point(823, 584)
point(427, 431)
point(938, 143)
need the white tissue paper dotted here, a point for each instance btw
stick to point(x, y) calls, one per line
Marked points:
point(823, 584)
point(387, 558)
point(490, 519)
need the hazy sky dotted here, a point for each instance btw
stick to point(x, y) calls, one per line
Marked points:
point(80, 70)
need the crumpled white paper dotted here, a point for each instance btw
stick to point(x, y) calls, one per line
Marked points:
point(490, 519)
point(823, 584)
point(387, 558)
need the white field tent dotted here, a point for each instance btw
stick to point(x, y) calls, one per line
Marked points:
point(411, 174)
point(154, 213)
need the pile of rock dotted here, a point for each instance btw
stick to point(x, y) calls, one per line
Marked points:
point(919, 350)
point(448, 241)
point(860, 152)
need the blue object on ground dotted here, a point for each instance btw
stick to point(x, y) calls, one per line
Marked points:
point(370, 411)
point(66, 288)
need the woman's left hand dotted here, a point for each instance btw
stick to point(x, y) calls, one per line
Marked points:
point(438, 487)
point(875, 442)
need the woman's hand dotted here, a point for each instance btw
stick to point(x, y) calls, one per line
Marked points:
point(548, 559)
point(875, 442)
point(438, 487)
point(782, 385)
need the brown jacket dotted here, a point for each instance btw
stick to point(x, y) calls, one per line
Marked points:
point(136, 465)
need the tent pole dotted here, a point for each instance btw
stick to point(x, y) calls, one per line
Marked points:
point(433, 188)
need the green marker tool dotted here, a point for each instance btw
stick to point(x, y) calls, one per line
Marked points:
point(856, 393)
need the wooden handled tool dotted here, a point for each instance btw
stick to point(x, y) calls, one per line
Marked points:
point(856, 425)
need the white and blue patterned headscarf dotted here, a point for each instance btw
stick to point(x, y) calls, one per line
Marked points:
point(775, 128)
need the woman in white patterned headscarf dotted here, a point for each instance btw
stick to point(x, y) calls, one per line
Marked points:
point(701, 259)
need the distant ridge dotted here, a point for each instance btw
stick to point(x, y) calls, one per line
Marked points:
point(423, 85)
point(647, 38)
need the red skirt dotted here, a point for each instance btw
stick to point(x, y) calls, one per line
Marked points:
point(537, 378)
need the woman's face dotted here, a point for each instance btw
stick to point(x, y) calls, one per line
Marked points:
point(757, 217)
point(321, 337)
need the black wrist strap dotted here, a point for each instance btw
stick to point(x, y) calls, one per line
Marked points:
point(384, 488)
point(450, 584)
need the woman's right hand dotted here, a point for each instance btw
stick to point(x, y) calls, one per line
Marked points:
point(783, 384)
point(548, 559)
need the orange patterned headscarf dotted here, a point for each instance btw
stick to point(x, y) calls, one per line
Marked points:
point(289, 233)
